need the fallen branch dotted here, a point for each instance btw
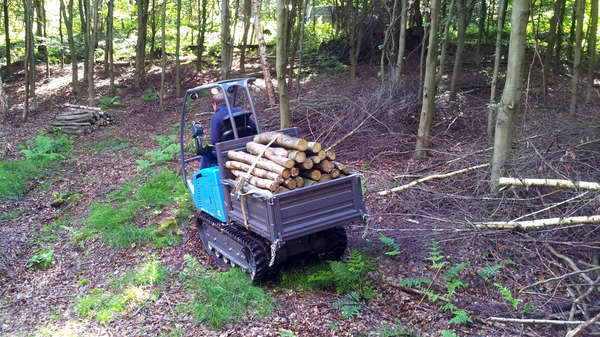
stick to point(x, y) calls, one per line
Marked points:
point(536, 321)
point(560, 277)
point(431, 177)
point(551, 206)
point(348, 135)
point(563, 183)
point(582, 326)
point(540, 223)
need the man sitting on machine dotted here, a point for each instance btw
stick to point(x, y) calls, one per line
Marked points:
point(221, 127)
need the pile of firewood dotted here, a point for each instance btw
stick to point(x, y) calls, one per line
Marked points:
point(287, 164)
point(79, 119)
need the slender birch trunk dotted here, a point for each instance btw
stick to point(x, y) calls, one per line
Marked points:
point(491, 117)
point(579, 13)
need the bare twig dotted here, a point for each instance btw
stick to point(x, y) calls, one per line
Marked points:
point(582, 326)
point(536, 321)
point(559, 277)
point(540, 223)
point(550, 207)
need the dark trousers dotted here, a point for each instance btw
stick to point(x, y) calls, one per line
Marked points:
point(209, 159)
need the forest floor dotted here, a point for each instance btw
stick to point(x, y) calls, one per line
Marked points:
point(494, 270)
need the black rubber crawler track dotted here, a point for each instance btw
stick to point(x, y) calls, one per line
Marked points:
point(255, 249)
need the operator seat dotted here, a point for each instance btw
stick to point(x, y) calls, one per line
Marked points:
point(245, 127)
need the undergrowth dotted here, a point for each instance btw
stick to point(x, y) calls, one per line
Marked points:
point(348, 278)
point(168, 149)
point(115, 220)
point(40, 155)
point(126, 292)
point(220, 297)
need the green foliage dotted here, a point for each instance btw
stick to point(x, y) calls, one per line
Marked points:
point(446, 333)
point(390, 243)
point(394, 330)
point(333, 64)
point(115, 220)
point(348, 305)
point(488, 272)
point(129, 291)
point(436, 255)
point(112, 144)
point(110, 102)
point(167, 150)
point(460, 317)
point(221, 297)
point(42, 259)
point(149, 95)
point(508, 295)
point(415, 282)
point(10, 215)
point(40, 154)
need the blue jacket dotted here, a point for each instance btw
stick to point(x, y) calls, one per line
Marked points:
point(218, 124)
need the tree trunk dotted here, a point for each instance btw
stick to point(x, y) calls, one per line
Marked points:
point(153, 29)
point(29, 60)
point(281, 63)
point(549, 54)
point(83, 35)
point(579, 11)
point(163, 37)
point(245, 35)
point(592, 49)
point(443, 53)
point(3, 101)
point(457, 72)
point(62, 40)
point(177, 43)
point(7, 32)
point(140, 48)
point(491, 117)
point(226, 45)
point(71, 39)
point(301, 47)
point(356, 33)
point(262, 47)
point(480, 33)
point(429, 86)
point(559, 36)
point(510, 103)
point(401, 44)
point(92, 15)
point(201, 33)
point(109, 42)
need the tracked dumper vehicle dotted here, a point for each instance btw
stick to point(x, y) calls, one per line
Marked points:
point(257, 231)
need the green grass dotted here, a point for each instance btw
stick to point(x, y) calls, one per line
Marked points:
point(112, 144)
point(115, 220)
point(10, 215)
point(42, 259)
point(131, 290)
point(41, 154)
point(221, 297)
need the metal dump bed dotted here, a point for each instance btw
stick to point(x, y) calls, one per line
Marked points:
point(296, 213)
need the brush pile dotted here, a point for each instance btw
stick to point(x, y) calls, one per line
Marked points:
point(288, 163)
point(79, 119)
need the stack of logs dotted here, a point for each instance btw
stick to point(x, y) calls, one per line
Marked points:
point(79, 119)
point(287, 164)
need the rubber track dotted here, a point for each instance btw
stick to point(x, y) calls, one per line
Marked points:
point(254, 245)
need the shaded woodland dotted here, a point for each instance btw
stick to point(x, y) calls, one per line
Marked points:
point(475, 126)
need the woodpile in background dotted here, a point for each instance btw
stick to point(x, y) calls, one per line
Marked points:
point(287, 164)
point(79, 119)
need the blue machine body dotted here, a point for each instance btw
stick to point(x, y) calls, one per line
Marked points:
point(208, 193)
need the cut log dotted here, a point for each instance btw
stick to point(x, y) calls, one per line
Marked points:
point(314, 147)
point(257, 149)
point(330, 155)
point(335, 173)
point(282, 189)
point(583, 185)
point(290, 183)
point(299, 182)
point(258, 182)
point(326, 166)
point(294, 171)
point(343, 168)
point(540, 223)
point(309, 182)
point(312, 174)
point(297, 156)
point(282, 140)
point(236, 165)
point(262, 163)
point(307, 164)
point(280, 151)
point(68, 123)
point(325, 177)
point(315, 159)
point(322, 155)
